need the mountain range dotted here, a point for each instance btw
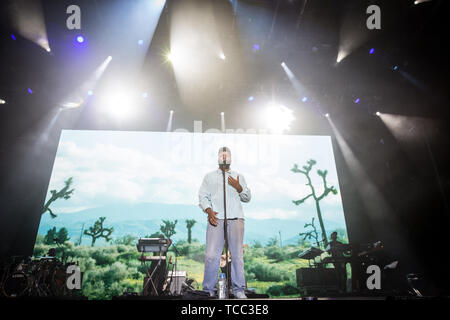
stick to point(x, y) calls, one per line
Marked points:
point(143, 219)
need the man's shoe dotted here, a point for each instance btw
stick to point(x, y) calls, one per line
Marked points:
point(240, 295)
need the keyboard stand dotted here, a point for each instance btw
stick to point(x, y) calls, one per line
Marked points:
point(145, 259)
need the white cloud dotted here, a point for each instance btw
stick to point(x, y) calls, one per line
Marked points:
point(63, 210)
point(110, 170)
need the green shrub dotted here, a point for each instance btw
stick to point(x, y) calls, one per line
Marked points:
point(40, 250)
point(104, 255)
point(257, 244)
point(128, 240)
point(249, 276)
point(278, 290)
point(194, 251)
point(267, 272)
point(275, 290)
point(86, 264)
point(182, 247)
point(276, 253)
point(128, 256)
point(290, 289)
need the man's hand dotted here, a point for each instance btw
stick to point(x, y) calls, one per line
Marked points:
point(212, 216)
point(235, 183)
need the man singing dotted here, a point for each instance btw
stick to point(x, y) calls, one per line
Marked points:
point(211, 202)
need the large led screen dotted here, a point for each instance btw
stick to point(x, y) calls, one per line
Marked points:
point(109, 188)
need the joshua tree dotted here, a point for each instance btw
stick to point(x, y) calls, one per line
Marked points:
point(311, 233)
point(98, 231)
point(317, 198)
point(272, 242)
point(56, 237)
point(189, 225)
point(168, 229)
point(64, 193)
point(281, 243)
point(81, 235)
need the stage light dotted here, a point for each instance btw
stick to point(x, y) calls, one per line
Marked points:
point(169, 122)
point(13, 37)
point(298, 86)
point(357, 100)
point(30, 91)
point(27, 19)
point(251, 98)
point(255, 47)
point(378, 113)
point(395, 68)
point(197, 55)
point(406, 129)
point(222, 121)
point(79, 95)
point(43, 43)
point(2, 101)
point(173, 58)
point(80, 39)
point(278, 118)
point(372, 51)
point(120, 103)
point(327, 115)
point(140, 42)
point(71, 105)
point(421, 1)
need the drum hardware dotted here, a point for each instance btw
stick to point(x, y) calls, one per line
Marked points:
point(42, 277)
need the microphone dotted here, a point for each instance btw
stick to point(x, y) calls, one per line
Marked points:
point(224, 156)
point(224, 159)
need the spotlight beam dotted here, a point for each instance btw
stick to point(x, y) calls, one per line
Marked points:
point(28, 20)
point(222, 121)
point(299, 88)
point(402, 129)
point(378, 210)
point(169, 122)
point(77, 98)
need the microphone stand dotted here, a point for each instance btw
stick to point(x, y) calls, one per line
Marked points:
point(227, 271)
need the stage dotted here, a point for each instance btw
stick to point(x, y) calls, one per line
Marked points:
point(163, 151)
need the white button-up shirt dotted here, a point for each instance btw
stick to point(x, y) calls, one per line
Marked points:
point(211, 194)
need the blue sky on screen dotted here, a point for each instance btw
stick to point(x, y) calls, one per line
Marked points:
point(120, 167)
